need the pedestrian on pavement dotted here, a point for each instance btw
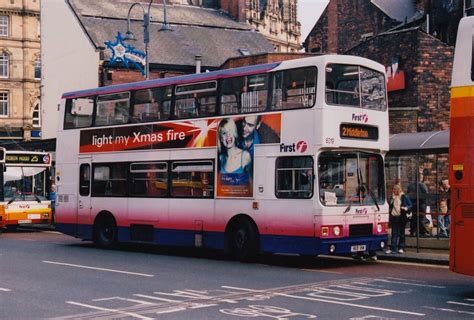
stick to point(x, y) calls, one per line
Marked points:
point(400, 207)
point(418, 193)
point(444, 208)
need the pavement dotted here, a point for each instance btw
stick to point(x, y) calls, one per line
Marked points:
point(432, 250)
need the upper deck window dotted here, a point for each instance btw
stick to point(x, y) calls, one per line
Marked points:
point(152, 104)
point(244, 94)
point(79, 113)
point(112, 109)
point(294, 88)
point(355, 86)
point(196, 100)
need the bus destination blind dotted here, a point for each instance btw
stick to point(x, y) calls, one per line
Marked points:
point(358, 131)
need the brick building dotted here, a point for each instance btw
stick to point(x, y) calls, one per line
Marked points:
point(422, 104)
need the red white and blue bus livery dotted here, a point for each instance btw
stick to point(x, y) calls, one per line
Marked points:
point(284, 157)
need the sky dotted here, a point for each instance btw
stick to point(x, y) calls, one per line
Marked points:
point(309, 12)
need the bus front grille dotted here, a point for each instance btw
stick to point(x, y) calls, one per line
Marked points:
point(356, 230)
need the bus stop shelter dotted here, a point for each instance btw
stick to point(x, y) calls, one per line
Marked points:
point(418, 162)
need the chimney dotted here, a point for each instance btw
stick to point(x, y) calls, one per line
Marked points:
point(198, 59)
point(235, 9)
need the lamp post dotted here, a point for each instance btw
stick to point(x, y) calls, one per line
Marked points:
point(146, 30)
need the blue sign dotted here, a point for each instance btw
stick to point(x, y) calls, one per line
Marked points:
point(126, 54)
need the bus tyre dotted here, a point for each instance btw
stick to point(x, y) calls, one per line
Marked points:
point(105, 232)
point(12, 227)
point(243, 240)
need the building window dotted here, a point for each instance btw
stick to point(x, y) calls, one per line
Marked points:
point(4, 102)
point(36, 116)
point(4, 64)
point(4, 26)
point(37, 68)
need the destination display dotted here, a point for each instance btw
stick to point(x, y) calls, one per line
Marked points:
point(358, 131)
point(27, 159)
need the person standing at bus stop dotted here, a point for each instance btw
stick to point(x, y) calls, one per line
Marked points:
point(400, 206)
point(444, 208)
point(418, 193)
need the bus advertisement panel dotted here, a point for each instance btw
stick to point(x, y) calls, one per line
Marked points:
point(282, 157)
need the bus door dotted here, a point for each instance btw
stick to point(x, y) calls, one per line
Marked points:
point(291, 213)
point(84, 197)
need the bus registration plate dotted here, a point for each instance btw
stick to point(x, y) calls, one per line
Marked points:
point(357, 248)
point(24, 221)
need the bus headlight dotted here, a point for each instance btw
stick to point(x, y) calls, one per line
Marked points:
point(332, 248)
point(45, 215)
point(336, 231)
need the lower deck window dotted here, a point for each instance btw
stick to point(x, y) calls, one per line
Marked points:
point(294, 177)
point(194, 179)
point(109, 179)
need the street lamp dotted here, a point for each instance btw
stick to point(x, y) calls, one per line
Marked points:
point(146, 30)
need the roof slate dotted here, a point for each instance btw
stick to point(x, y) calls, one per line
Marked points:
point(196, 31)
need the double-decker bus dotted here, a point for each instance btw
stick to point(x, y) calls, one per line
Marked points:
point(283, 157)
point(25, 188)
point(461, 151)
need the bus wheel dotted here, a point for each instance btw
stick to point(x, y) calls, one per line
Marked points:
point(12, 227)
point(105, 232)
point(243, 240)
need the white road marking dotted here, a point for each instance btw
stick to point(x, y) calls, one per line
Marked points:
point(171, 310)
point(449, 310)
point(5, 289)
point(124, 299)
point(323, 271)
point(352, 305)
point(130, 314)
point(99, 269)
point(155, 298)
point(411, 283)
point(330, 301)
point(26, 239)
point(414, 264)
point(461, 303)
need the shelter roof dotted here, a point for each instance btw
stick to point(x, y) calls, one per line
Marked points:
point(420, 142)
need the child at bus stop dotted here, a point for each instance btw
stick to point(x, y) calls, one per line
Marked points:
point(444, 208)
